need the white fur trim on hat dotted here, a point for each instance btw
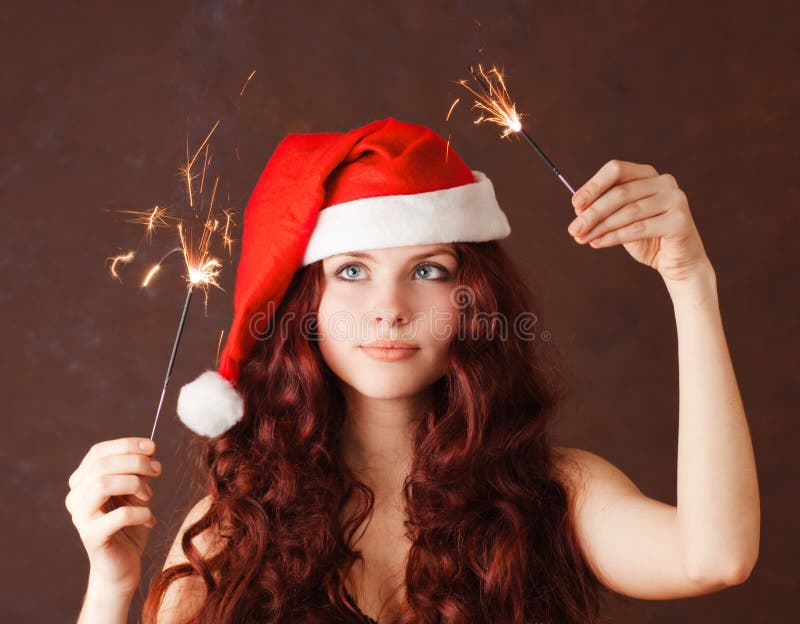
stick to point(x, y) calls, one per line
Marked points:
point(469, 212)
point(210, 405)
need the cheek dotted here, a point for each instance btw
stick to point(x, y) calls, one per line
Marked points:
point(338, 299)
point(436, 330)
point(336, 351)
point(438, 319)
point(336, 328)
point(337, 315)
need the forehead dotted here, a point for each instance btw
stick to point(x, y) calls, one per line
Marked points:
point(397, 254)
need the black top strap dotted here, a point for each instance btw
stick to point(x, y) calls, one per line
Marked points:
point(364, 615)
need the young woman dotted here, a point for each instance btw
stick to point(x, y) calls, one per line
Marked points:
point(379, 431)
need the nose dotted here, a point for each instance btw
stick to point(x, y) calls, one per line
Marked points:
point(388, 318)
point(389, 307)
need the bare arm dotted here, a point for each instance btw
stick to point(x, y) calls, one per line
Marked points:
point(718, 498)
point(629, 540)
point(182, 599)
point(104, 605)
point(647, 549)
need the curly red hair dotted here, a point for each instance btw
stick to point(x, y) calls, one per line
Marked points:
point(488, 516)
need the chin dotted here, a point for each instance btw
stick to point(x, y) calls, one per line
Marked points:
point(395, 384)
point(389, 388)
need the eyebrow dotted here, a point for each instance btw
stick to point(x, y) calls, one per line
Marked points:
point(435, 252)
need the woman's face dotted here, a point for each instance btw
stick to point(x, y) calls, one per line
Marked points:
point(391, 294)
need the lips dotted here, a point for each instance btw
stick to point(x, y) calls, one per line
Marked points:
point(390, 344)
point(390, 350)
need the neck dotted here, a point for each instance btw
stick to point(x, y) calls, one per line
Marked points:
point(377, 437)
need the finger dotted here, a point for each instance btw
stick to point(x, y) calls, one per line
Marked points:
point(99, 531)
point(647, 228)
point(112, 447)
point(629, 213)
point(612, 201)
point(74, 499)
point(129, 463)
point(613, 172)
point(95, 496)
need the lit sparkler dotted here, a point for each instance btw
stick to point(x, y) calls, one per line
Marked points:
point(494, 100)
point(202, 269)
point(496, 106)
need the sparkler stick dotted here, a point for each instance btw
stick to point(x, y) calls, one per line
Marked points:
point(172, 358)
point(494, 99)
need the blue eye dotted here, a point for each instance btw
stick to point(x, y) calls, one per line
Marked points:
point(347, 266)
point(443, 273)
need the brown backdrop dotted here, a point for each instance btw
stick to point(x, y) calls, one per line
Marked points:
point(97, 101)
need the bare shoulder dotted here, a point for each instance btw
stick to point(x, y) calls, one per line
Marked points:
point(184, 596)
point(582, 469)
point(203, 542)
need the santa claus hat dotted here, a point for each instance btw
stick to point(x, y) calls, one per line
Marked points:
point(386, 184)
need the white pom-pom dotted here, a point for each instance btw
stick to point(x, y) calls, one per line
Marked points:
point(210, 405)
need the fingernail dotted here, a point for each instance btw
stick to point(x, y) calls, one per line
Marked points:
point(148, 489)
point(577, 226)
point(146, 445)
point(580, 198)
point(155, 465)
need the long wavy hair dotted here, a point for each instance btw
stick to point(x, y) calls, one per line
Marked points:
point(487, 512)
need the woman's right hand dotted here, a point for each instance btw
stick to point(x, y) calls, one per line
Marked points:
point(108, 500)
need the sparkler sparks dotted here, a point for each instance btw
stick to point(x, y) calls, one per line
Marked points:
point(452, 106)
point(246, 82)
point(151, 219)
point(494, 100)
point(202, 270)
point(123, 258)
point(219, 344)
point(206, 162)
point(150, 275)
point(186, 172)
point(227, 241)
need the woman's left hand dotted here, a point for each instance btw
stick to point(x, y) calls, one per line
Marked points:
point(647, 212)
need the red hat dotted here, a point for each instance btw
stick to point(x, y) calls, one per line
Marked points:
point(386, 184)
